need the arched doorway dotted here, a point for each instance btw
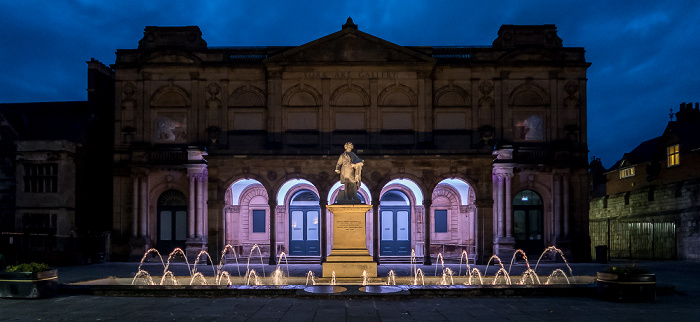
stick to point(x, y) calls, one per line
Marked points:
point(528, 225)
point(304, 216)
point(395, 220)
point(172, 221)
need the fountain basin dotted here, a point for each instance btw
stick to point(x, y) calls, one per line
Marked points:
point(584, 286)
point(324, 289)
point(380, 289)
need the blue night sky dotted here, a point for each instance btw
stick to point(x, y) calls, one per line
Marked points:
point(644, 54)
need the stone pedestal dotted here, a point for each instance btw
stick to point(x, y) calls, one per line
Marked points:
point(504, 247)
point(349, 256)
point(193, 246)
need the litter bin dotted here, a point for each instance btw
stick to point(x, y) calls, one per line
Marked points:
point(601, 254)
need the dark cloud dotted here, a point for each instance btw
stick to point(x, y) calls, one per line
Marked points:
point(644, 54)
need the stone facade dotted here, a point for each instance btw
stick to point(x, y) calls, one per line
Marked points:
point(500, 119)
point(649, 203)
point(55, 200)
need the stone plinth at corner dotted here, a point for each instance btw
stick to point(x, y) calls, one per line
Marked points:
point(349, 256)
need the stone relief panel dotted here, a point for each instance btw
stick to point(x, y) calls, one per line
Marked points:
point(528, 127)
point(171, 127)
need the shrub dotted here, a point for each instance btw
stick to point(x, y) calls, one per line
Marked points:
point(28, 267)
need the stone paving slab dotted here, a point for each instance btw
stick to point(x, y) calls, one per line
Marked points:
point(681, 305)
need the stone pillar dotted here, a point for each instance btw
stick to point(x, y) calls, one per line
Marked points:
point(191, 212)
point(504, 243)
point(427, 203)
point(323, 220)
point(135, 208)
point(557, 205)
point(565, 187)
point(272, 203)
point(200, 207)
point(196, 172)
point(509, 202)
point(376, 226)
point(499, 205)
point(144, 206)
point(205, 203)
point(224, 226)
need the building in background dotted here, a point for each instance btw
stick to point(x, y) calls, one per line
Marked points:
point(56, 158)
point(647, 205)
point(477, 149)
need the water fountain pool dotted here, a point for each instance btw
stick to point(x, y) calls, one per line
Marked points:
point(204, 277)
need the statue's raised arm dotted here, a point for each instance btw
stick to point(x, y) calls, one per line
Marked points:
point(349, 167)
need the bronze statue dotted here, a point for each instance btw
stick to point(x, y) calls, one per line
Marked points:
point(350, 169)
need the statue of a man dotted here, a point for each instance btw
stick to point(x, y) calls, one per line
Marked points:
point(350, 169)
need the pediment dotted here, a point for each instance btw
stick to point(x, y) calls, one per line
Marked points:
point(350, 45)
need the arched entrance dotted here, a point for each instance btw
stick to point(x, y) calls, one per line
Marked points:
point(528, 225)
point(395, 220)
point(172, 221)
point(304, 213)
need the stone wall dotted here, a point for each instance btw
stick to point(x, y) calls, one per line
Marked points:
point(676, 205)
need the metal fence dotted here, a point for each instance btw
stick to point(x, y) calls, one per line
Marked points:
point(635, 239)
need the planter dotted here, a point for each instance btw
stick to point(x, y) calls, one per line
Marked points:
point(28, 284)
point(626, 287)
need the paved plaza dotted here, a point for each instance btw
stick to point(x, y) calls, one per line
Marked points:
point(679, 301)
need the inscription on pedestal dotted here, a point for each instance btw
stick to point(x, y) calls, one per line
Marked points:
point(350, 225)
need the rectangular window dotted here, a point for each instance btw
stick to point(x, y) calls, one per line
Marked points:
point(441, 221)
point(41, 177)
point(258, 221)
point(628, 172)
point(674, 157)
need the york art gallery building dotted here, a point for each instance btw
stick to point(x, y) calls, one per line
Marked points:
point(476, 149)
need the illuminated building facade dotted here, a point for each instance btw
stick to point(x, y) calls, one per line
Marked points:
point(477, 149)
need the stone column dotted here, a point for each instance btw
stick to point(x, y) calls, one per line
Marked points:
point(135, 207)
point(499, 205)
point(323, 220)
point(557, 205)
point(144, 206)
point(200, 212)
point(272, 203)
point(376, 226)
point(205, 203)
point(509, 201)
point(224, 226)
point(565, 187)
point(191, 212)
point(427, 203)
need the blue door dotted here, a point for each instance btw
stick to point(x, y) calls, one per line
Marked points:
point(304, 224)
point(395, 220)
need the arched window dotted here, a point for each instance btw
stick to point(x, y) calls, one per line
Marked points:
point(304, 217)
